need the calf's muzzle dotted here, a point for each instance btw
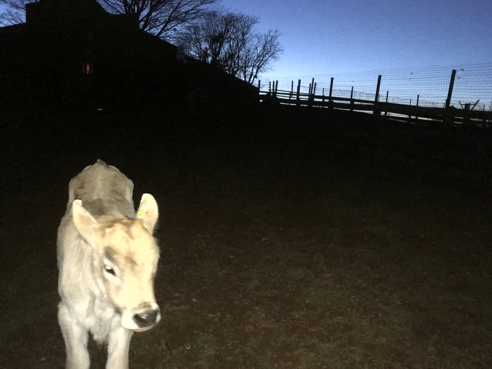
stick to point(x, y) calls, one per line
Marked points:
point(146, 319)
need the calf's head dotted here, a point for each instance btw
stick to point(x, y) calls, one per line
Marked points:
point(125, 261)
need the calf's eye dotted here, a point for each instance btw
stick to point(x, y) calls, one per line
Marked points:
point(109, 270)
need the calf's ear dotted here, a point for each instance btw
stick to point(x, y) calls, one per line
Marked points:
point(148, 211)
point(84, 222)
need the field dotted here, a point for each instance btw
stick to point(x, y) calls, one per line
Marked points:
point(280, 248)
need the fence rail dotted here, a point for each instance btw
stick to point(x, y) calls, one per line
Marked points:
point(416, 114)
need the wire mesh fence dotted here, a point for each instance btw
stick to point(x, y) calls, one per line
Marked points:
point(473, 82)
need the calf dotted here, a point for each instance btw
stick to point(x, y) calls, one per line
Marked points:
point(107, 260)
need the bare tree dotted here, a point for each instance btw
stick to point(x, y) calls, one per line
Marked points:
point(262, 50)
point(14, 11)
point(228, 41)
point(162, 18)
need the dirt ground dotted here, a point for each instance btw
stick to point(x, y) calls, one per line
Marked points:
point(279, 248)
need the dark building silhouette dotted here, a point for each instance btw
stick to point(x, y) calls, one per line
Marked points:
point(74, 53)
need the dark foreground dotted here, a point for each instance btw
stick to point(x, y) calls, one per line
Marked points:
point(279, 249)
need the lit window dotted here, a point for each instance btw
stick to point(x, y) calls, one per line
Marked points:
point(87, 68)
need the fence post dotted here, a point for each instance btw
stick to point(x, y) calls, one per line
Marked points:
point(417, 115)
point(450, 90)
point(352, 99)
point(377, 111)
point(466, 115)
point(323, 99)
point(448, 115)
point(330, 101)
point(291, 91)
point(310, 89)
point(298, 98)
point(311, 94)
point(386, 110)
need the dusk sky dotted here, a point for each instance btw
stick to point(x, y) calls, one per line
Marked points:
point(413, 44)
point(323, 36)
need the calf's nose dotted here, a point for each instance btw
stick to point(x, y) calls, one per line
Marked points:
point(145, 319)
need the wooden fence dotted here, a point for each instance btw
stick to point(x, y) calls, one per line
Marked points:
point(415, 114)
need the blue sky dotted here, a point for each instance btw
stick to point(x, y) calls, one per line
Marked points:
point(355, 40)
point(347, 36)
point(323, 36)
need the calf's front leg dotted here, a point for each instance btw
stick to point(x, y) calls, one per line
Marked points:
point(75, 337)
point(118, 347)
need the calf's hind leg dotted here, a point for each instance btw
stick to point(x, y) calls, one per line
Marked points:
point(75, 337)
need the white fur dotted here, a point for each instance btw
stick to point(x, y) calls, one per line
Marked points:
point(100, 212)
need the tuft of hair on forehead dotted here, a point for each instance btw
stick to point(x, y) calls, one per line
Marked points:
point(119, 259)
point(133, 228)
point(130, 235)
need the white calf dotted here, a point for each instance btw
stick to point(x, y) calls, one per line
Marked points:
point(107, 260)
